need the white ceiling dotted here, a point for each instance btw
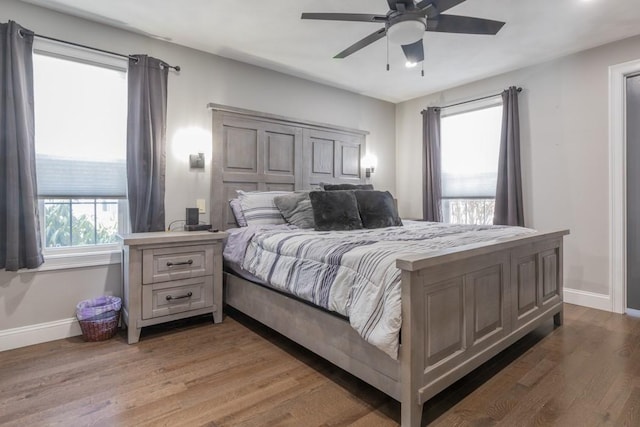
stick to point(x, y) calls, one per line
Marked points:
point(272, 35)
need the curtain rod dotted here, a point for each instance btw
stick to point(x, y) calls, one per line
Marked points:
point(474, 100)
point(175, 67)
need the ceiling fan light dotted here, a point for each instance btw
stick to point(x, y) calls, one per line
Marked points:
point(406, 32)
point(410, 64)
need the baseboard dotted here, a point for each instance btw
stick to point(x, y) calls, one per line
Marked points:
point(65, 328)
point(588, 299)
point(39, 333)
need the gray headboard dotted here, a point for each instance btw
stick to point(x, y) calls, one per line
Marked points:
point(257, 151)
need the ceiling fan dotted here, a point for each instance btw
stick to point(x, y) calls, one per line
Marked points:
point(406, 22)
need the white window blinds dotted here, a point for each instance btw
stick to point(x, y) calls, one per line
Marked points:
point(80, 123)
point(470, 148)
point(60, 177)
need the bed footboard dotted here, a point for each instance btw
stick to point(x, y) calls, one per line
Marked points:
point(462, 306)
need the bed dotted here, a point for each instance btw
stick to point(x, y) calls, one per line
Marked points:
point(459, 305)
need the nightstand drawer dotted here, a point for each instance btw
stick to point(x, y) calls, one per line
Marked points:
point(183, 262)
point(162, 299)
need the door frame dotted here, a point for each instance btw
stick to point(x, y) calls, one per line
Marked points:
point(618, 183)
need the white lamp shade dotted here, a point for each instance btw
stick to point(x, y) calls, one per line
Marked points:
point(406, 32)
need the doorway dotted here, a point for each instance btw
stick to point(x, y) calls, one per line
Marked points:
point(633, 191)
point(618, 236)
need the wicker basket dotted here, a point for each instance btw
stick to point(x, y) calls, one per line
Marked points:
point(99, 317)
point(101, 327)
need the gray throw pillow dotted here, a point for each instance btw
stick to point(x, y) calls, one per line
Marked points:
point(335, 210)
point(377, 209)
point(296, 209)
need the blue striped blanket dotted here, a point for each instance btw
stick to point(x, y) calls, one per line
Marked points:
point(353, 273)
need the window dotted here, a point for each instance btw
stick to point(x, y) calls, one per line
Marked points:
point(470, 149)
point(81, 124)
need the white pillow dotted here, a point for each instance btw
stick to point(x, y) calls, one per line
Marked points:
point(236, 209)
point(258, 207)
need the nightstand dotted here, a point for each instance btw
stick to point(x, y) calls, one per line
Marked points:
point(169, 276)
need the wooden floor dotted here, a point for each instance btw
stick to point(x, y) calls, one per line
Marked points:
point(239, 373)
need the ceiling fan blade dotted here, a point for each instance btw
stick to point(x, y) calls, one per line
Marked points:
point(436, 6)
point(463, 25)
point(354, 17)
point(362, 43)
point(414, 51)
point(444, 5)
point(400, 4)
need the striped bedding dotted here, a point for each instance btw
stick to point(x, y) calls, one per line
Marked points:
point(353, 273)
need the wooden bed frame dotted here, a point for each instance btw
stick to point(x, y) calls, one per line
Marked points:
point(460, 306)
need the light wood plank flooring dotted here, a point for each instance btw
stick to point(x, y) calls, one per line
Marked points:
point(239, 373)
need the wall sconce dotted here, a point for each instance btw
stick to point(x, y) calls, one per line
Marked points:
point(196, 161)
point(369, 162)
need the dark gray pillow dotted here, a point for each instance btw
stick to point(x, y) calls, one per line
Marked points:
point(335, 210)
point(377, 209)
point(296, 209)
point(336, 187)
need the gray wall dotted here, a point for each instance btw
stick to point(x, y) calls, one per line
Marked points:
point(564, 132)
point(633, 192)
point(32, 298)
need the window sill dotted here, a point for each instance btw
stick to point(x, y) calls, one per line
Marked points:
point(75, 260)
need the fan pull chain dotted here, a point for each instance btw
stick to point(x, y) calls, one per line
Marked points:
point(422, 67)
point(387, 53)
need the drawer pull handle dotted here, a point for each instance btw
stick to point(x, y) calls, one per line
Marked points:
point(188, 295)
point(171, 264)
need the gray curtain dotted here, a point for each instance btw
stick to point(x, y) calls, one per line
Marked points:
point(146, 134)
point(509, 205)
point(20, 244)
point(431, 177)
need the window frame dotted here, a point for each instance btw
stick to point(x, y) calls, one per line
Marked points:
point(469, 107)
point(86, 255)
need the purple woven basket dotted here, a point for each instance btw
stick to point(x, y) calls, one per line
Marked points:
point(99, 317)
